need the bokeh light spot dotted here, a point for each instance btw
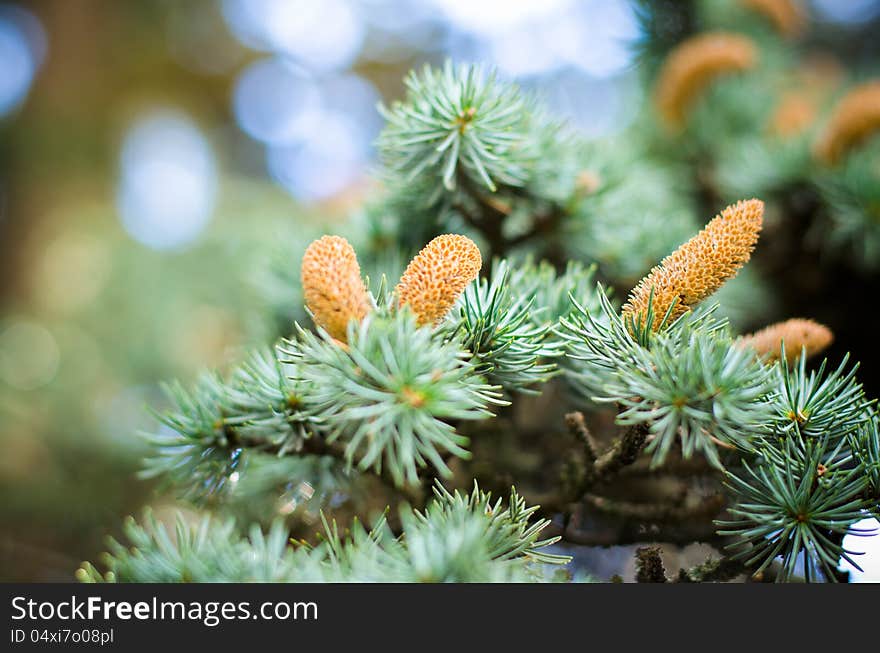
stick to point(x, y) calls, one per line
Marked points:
point(29, 355)
point(497, 16)
point(847, 11)
point(325, 164)
point(72, 270)
point(324, 36)
point(319, 135)
point(168, 185)
point(275, 101)
point(22, 49)
point(536, 38)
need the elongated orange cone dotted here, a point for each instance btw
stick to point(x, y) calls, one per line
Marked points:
point(700, 266)
point(786, 16)
point(693, 65)
point(855, 119)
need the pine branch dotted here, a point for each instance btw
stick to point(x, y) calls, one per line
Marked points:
point(623, 452)
point(337, 450)
point(384, 384)
point(595, 471)
point(458, 538)
point(577, 426)
point(635, 533)
point(656, 512)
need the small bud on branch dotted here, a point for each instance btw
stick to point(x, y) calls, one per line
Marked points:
point(437, 275)
point(333, 288)
point(797, 334)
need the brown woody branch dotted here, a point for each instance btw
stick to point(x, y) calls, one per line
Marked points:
point(656, 512)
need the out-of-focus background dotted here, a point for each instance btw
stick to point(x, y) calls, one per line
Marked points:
point(151, 152)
